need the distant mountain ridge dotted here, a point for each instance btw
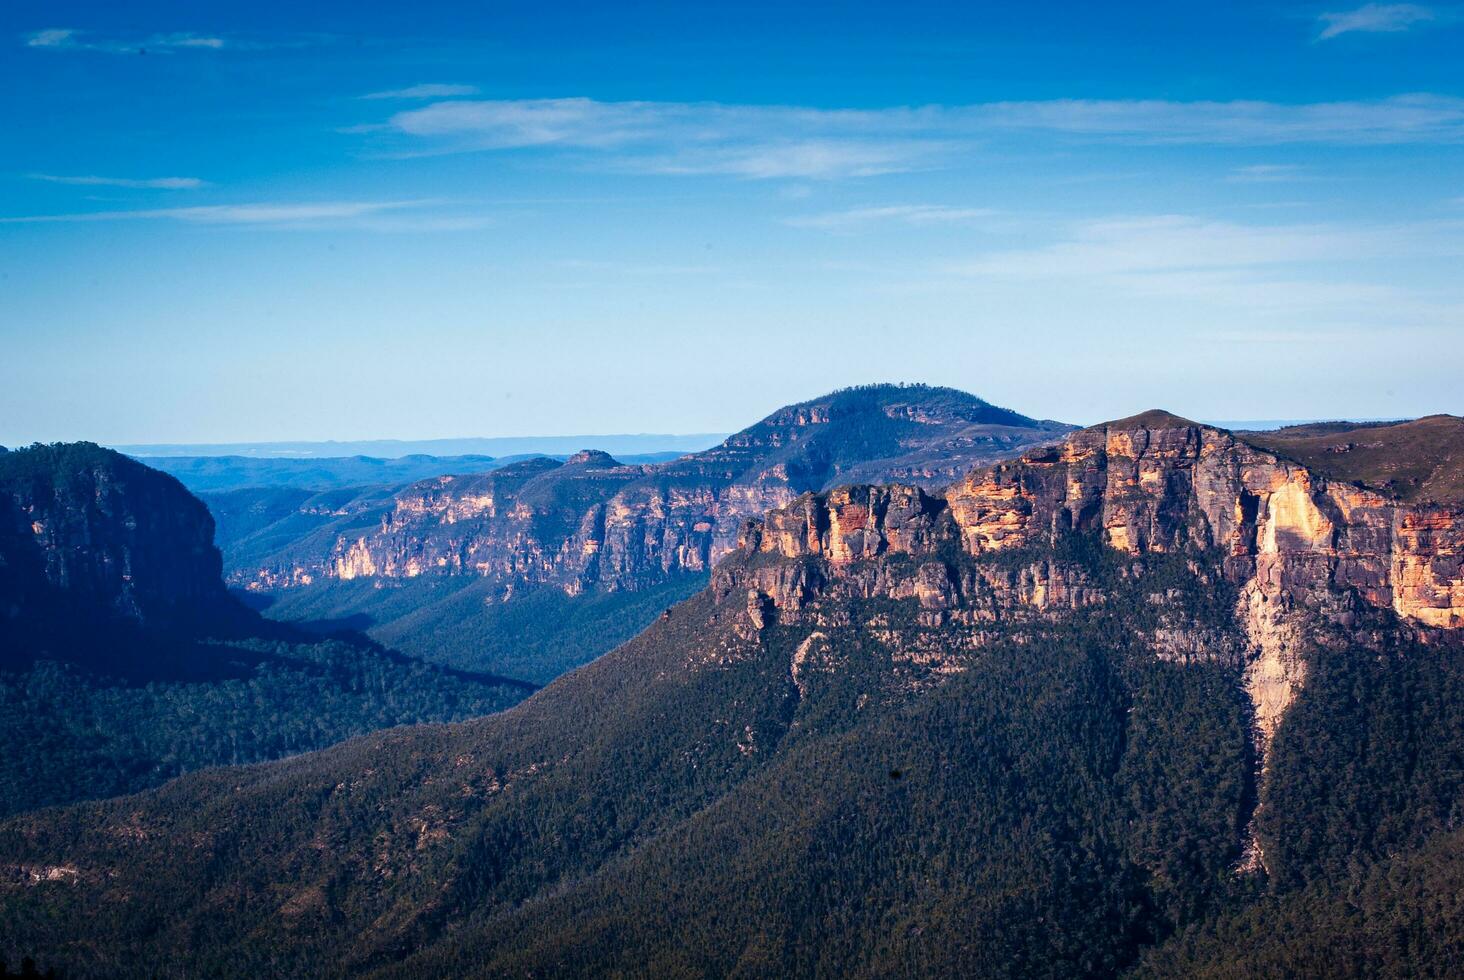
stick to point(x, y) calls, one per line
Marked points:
point(624, 444)
point(440, 567)
point(222, 474)
point(594, 522)
point(216, 474)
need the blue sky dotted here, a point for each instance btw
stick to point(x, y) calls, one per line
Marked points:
point(233, 222)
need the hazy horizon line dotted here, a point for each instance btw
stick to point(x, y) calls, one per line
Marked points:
point(302, 448)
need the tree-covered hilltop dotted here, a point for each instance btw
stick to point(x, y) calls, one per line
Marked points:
point(1417, 459)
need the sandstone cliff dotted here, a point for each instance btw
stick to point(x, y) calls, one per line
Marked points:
point(1299, 559)
point(592, 522)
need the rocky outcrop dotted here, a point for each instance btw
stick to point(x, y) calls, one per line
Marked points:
point(91, 529)
point(1424, 576)
point(1304, 554)
point(593, 523)
point(1157, 483)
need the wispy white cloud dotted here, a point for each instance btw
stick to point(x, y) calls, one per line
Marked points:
point(238, 214)
point(636, 268)
point(427, 91)
point(1223, 263)
point(71, 39)
point(517, 123)
point(149, 183)
point(808, 159)
point(1168, 242)
point(54, 37)
point(1374, 18)
point(411, 222)
point(909, 214)
point(678, 138)
point(1266, 173)
point(1400, 119)
point(1163, 243)
point(799, 142)
point(186, 40)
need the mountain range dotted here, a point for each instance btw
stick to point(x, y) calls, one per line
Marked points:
point(594, 545)
point(222, 474)
point(1151, 698)
point(125, 662)
point(494, 446)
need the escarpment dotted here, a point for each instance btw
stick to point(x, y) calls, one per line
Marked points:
point(1190, 539)
point(1198, 543)
point(594, 523)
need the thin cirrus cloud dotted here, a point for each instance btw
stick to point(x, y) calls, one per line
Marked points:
point(805, 159)
point(1396, 120)
point(54, 37)
point(131, 183)
point(919, 215)
point(1160, 243)
point(69, 39)
point(63, 39)
point(1374, 18)
point(576, 122)
point(687, 139)
point(1266, 173)
point(1290, 268)
point(239, 214)
point(425, 92)
point(761, 142)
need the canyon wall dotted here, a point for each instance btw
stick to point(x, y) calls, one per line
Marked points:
point(1302, 553)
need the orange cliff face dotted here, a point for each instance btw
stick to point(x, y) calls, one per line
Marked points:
point(1427, 584)
point(1162, 485)
point(1301, 552)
